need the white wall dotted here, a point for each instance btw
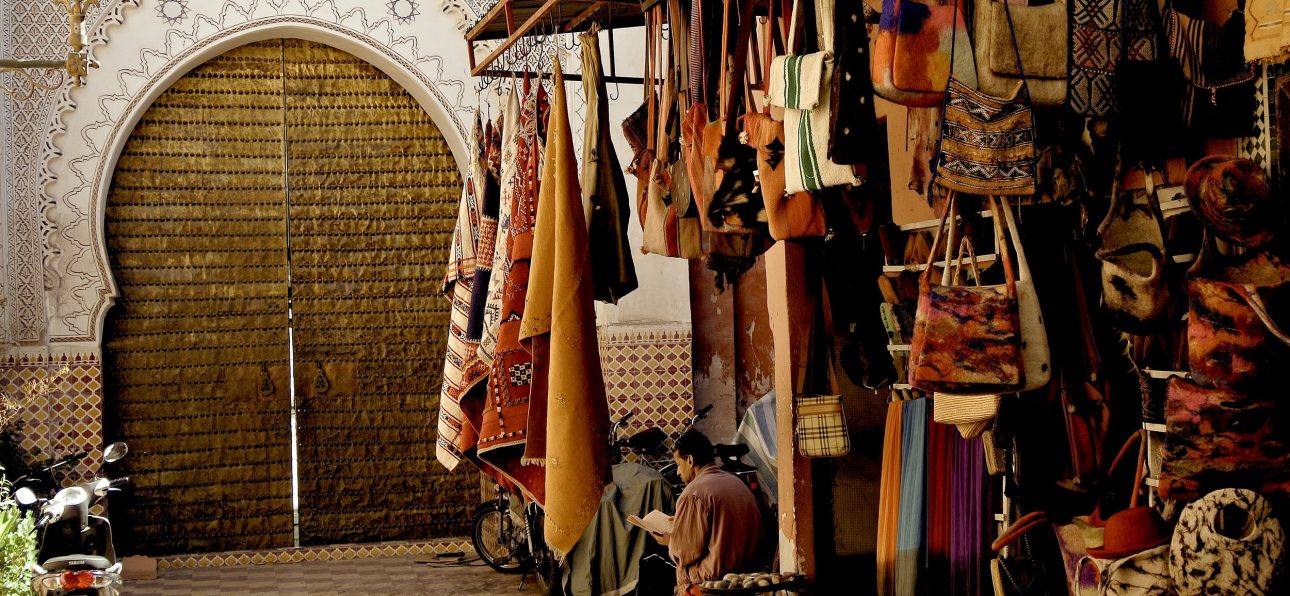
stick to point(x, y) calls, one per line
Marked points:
point(141, 53)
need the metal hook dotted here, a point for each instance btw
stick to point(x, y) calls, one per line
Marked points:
point(613, 64)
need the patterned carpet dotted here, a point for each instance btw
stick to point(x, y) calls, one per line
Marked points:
point(413, 574)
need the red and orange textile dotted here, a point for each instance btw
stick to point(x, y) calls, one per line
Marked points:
point(505, 427)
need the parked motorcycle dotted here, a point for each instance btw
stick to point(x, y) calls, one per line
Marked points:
point(75, 555)
point(511, 541)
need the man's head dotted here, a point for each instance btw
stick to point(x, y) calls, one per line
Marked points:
point(691, 451)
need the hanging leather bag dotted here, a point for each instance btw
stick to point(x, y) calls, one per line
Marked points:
point(731, 203)
point(987, 143)
point(796, 215)
point(911, 63)
point(967, 339)
point(1038, 34)
point(1231, 335)
point(669, 218)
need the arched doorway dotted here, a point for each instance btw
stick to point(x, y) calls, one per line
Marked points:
point(277, 225)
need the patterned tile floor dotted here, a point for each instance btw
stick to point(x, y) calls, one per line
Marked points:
point(412, 574)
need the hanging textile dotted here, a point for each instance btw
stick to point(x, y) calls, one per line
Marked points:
point(970, 519)
point(560, 326)
point(502, 251)
point(889, 500)
point(504, 429)
point(911, 539)
point(940, 458)
point(604, 191)
point(456, 434)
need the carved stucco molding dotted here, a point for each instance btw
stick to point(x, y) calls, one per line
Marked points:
point(88, 126)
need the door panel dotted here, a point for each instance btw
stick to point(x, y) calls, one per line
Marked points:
point(195, 350)
point(373, 198)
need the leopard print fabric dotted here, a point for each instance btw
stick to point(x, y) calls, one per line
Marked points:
point(1203, 560)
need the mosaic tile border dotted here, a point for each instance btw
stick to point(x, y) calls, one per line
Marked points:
point(63, 409)
point(339, 552)
point(649, 371)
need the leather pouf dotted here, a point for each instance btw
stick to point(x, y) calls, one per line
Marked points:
point(1244, 560)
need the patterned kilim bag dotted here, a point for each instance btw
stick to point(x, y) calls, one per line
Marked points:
point(967, 339)
point(987, 143)
point(1096, 45)
point(820, 426)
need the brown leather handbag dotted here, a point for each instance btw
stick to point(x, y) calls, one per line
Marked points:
point(797, 215)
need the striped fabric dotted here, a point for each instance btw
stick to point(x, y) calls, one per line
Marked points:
point(795, 85)
point(911, 539)
point(889, 500)
point(757, 431)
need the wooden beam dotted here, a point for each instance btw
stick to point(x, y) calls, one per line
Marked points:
point(521, 32)
point(790, 297)
point(502, 6)
point(591, 11)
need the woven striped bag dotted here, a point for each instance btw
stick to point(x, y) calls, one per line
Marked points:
point(797, 84)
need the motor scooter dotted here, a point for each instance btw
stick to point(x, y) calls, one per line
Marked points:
point(75, 554)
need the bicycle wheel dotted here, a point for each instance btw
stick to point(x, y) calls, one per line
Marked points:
point(499, 539)
point(545, 565)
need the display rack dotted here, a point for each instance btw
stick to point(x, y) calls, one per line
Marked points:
point(546, 17)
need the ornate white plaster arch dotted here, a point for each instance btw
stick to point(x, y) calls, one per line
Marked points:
point(90, 125)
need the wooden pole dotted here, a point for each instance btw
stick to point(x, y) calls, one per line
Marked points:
point(790, 300)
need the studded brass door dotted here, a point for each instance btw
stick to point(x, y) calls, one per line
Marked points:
point(283, 197)
point(374, 192)
point(196, 348)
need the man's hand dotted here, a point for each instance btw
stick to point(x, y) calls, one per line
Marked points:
point(662, 539)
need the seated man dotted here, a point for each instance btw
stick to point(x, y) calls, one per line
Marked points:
point(717, 528)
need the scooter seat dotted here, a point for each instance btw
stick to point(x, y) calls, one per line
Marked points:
point(76, 563)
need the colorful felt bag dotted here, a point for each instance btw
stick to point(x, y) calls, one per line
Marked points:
point(1036, 34)
point(987, 143)
point(911, 63)
point(1231, 335)
point(1222, 438)
point(1134, 258)
point(967, 339)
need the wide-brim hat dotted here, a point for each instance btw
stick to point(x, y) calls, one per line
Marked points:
point(1233, 197)
point(1132, 531)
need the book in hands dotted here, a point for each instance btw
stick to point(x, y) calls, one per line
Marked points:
point(655, 522)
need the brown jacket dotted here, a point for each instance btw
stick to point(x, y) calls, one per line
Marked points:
point(717, 528)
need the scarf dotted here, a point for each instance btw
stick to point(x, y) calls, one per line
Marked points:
point(502, 252)
point(911, 539)
point(889, 500)
point(505, 428)
point(456, 434)
point(559, 327)
point(603, 188)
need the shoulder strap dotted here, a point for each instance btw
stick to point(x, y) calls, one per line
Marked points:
point(740, 66)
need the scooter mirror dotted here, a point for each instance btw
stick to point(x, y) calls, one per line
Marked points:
point(115, 452)
point(25, 496)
